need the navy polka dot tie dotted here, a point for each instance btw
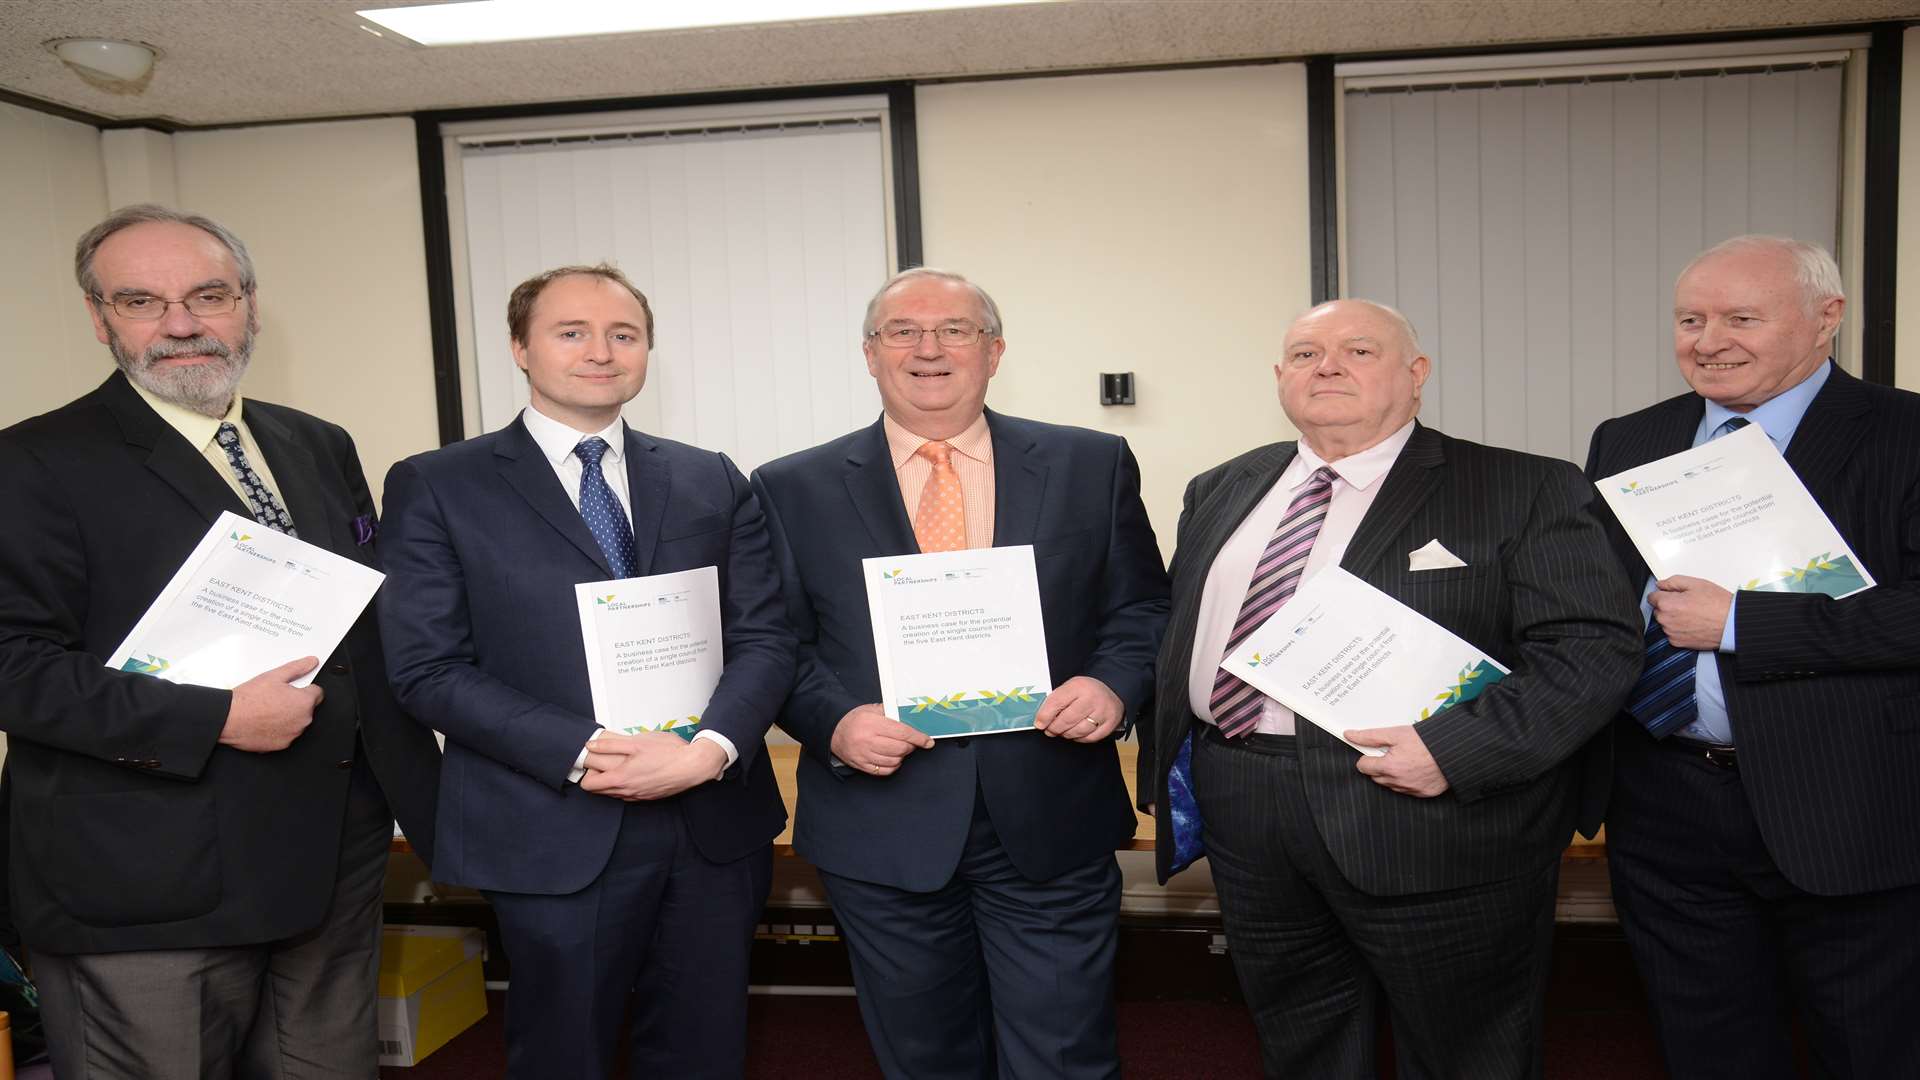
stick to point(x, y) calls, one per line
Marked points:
point(266, 509)
point(605, 519)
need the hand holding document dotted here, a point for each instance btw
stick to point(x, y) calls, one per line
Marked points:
point(1732, 512)
point(246, 600)
point(959, 639)
point(1347, 657)
point(653, 649)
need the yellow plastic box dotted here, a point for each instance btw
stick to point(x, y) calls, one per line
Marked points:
point(430, 988)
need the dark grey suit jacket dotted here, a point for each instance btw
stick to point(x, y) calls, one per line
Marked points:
point(1536, 592)
point(1823, 694)
point(132, 828)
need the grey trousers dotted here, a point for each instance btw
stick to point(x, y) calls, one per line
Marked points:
point(284, 1010)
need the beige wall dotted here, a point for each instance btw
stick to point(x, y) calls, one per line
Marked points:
point(1907, 279)
point(331, 213)
point(1152, 222)
point(52, 187)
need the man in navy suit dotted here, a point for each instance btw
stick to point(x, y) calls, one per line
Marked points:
point(974, 879)
point(1763, 833)
point(614, 862)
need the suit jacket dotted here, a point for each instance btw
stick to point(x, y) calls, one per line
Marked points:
point(483, 638)
point(1823, 694)
point(1074, 495)
point(131, 827)
point(1536, 593)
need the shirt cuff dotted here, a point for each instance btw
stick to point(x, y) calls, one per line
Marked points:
point(724, 743)
point(1726, 632)
point(580, 762)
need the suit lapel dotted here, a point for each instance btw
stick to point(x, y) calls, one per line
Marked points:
point(168, 455)
point(1019, 483)
point(296, 475)
point(527, 471)
point(1412, 480)
point(875, 491)
point(1227, 508)
point(648, 481)
point(1829, 431)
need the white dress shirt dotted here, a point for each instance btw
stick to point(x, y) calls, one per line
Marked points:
point(556, 442)
point(1357, 479)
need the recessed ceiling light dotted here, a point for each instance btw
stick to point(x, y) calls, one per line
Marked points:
point(476, 21)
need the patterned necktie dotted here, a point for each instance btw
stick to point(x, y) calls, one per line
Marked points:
point(941, 524)
point(605, 519)
point(266, 508)
point(1663, 698)
point(1236, 704)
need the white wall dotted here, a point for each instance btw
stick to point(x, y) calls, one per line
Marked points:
point(52, 188)
point(331, 214)
point(1153, 222)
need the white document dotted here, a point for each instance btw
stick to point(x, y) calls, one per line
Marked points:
point(1346, 656)
point(246, 601)
point(959, 639)
point(1732, 512)
point(653, 649)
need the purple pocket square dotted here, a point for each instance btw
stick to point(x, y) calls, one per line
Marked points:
point(365, 528)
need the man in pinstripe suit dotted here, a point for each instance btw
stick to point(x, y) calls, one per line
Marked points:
point(1425, 877)
point(1765, 844)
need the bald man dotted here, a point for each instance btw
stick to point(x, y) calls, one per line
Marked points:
point(1423, 880)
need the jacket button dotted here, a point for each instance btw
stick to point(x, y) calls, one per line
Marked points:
point(345, 763)
point(336, 669)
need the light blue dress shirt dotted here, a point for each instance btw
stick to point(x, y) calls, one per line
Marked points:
point(1779, 417)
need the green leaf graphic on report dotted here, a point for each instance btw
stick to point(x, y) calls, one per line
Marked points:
point(1466, 686)
point(686, 729)
point(1824, 573)
point(152, 665)
point(959, 714)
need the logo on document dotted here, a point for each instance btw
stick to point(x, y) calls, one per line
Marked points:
point(152, 665)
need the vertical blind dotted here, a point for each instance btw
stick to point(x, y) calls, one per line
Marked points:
point(1533, 233)
point(757, 248)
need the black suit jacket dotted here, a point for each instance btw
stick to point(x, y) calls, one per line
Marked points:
point(484, 547)
point(1823, 694)
point(131, 827)
point(1074, 495)
point(1536, 593)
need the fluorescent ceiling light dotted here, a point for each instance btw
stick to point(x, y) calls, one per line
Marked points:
point(476, 21)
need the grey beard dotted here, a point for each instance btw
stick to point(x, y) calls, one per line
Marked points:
point(205, 388)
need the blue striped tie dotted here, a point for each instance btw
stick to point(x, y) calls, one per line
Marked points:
point(1663, 698)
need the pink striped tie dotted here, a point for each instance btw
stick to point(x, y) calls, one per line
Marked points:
point(1236, 704)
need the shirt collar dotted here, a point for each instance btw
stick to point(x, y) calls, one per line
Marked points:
point(197, 428)
point(1779, 416)
point(976, 442)
point(557, 440)
point(1358, 470)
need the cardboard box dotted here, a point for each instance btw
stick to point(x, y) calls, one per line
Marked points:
point(430, 988)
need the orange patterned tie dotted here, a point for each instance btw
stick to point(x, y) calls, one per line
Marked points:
point(941, 524)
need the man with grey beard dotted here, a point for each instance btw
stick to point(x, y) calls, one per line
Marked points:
point(195, 872)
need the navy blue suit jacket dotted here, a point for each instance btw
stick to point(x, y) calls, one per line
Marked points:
point(1823, 694)
point(484, 548)
point(1074, 495)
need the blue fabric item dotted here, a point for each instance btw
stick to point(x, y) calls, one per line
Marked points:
point(266, 509)
point(1183, 811)
point(605, 519)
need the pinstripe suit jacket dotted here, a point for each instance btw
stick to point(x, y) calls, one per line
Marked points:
point(1823, 695)
point(1537, 593)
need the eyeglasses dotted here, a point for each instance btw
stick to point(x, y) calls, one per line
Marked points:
point(203, 304)
point(907, 335)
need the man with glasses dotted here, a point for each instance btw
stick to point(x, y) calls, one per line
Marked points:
point(196, 873)
point(974, 881)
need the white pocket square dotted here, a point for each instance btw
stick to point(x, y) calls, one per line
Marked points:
point(1433, 556)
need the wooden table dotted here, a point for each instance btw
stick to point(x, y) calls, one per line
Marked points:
point(786, 759)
